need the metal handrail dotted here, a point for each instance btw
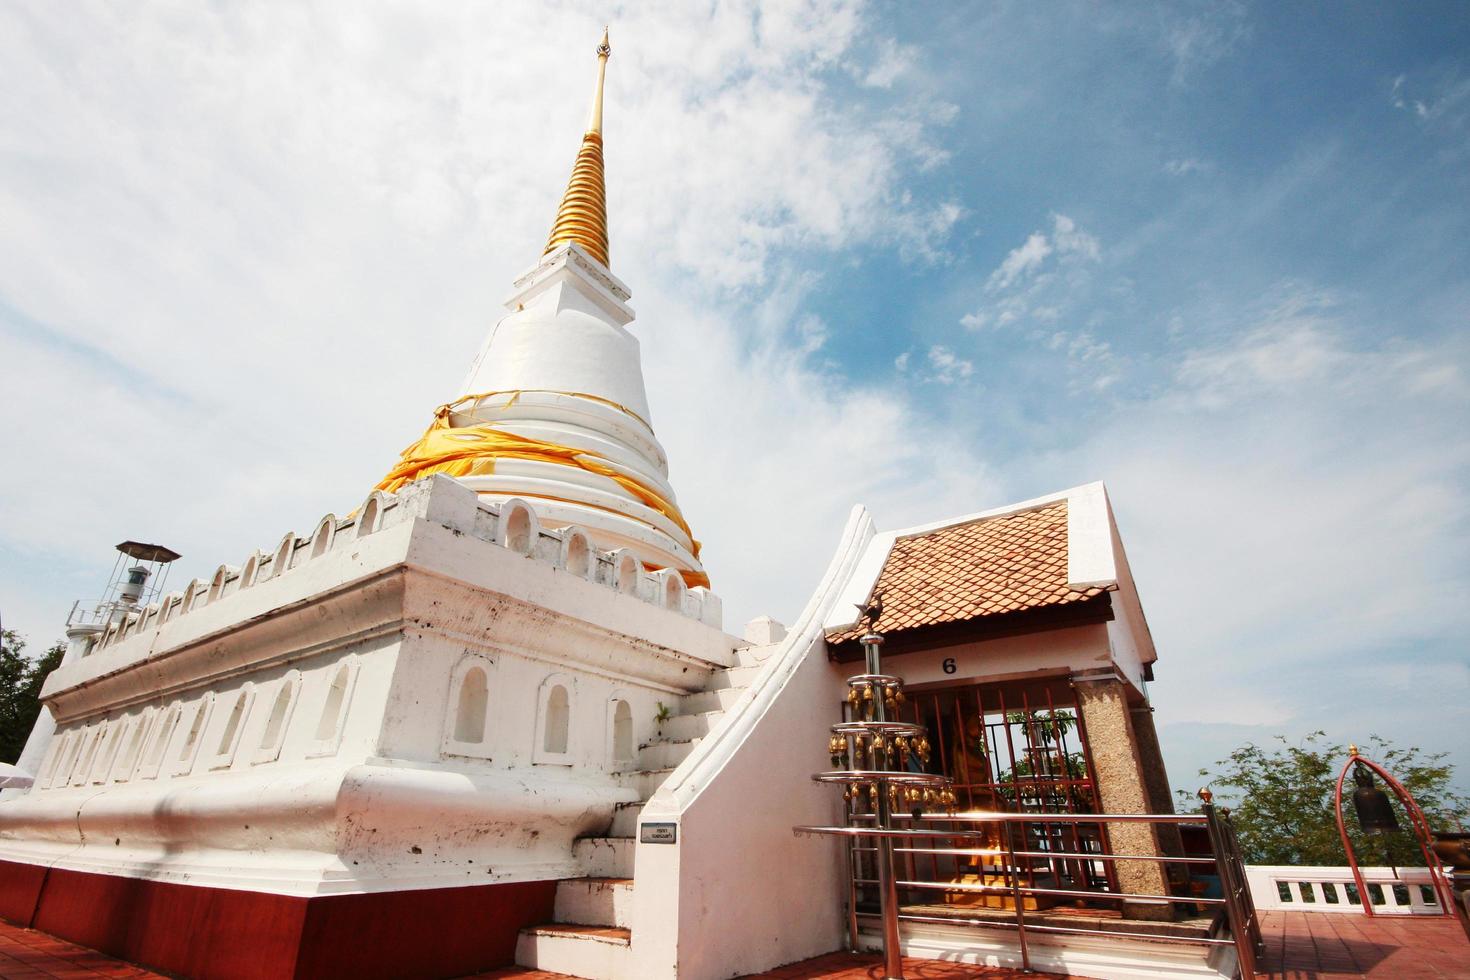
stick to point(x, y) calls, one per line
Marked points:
point(999, 924)
point(1235, 902)
point(960, 886)
point(1000, 816)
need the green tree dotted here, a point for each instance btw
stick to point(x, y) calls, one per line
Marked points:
point(20, 691)
point(1281, 801)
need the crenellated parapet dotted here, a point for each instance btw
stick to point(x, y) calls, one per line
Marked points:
point(511, 524)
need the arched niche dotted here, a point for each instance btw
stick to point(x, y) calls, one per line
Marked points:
point(518, 528)
point(88, 754)
point(467, 722)
point(577, 554)
point(158, 743)
point(322, 537)
point(626, 570)
point(555, 706)
point(250, 570)
point(234, 727)
point(622, 741)
point(370, 514)
point(131, 750)
point(336, 703)
point(283, 704)
point(218, 582)
point(285, 551)
point(197, 716)
point(671, 590)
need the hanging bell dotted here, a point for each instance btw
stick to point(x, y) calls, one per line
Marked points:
point(1375, 814)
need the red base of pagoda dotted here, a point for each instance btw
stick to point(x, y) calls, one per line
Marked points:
point(218, 932)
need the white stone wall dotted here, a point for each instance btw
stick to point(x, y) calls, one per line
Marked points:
point(375, 630)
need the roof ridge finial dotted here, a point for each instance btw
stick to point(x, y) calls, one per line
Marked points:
point(582, 217)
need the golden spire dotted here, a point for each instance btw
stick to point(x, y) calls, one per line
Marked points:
point(582, 217)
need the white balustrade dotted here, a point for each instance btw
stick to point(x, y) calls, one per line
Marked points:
point(1392, 891)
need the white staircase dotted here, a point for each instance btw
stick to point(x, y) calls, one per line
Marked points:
point(590, 933)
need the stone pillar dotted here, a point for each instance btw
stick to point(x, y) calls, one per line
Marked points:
point(1156, 777)
point(1161, 798)
point(1122, 785)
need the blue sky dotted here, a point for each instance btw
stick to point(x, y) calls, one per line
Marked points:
point(929, 258)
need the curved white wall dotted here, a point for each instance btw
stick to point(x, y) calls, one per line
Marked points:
point(563, 369)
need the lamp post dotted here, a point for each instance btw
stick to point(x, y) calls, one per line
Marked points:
point(1376, 816)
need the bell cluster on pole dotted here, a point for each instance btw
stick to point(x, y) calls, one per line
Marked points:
point(880, 762)
point(878, 751)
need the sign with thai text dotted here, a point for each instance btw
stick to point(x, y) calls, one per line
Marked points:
point(658, 833)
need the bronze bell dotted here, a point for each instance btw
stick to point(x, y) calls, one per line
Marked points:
point(1375, 814)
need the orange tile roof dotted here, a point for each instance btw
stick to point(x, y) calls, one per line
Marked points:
point(987, 567)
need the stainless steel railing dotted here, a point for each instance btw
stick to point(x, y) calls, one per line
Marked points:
point(1235, 910)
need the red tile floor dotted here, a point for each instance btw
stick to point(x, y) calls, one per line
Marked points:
point(1326, 946)
point(1299, 946)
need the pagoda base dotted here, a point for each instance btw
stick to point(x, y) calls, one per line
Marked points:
point(203, 931)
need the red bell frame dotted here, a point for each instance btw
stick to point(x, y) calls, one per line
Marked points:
point(1443, 892)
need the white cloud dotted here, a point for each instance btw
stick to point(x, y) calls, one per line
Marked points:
point(247, 250)
point(948, 367)
point(1416, 106)
point(1070, 239)
point(893, 61)
point(1027, 260)
point(1023, 260)
point(1294, 505)
point(1439, 103)
point(1047, 281)
point(1184, 166)
point(1196, 42)
point(941, 365)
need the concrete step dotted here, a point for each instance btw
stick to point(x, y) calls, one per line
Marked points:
point(625, 820)
point(595, 901)
point(645, 781)
point(753, 656)
point(576, 950)
point(736, 677)
point(705, 701)
point(604, 857)
point(665, 753)
point(689, 726)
